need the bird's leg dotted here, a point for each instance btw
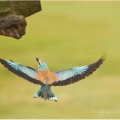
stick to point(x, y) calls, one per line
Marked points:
point(46, 93)
point(38, 93)
point(52, 96)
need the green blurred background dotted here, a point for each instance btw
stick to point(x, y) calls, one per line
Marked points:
point(64, 35)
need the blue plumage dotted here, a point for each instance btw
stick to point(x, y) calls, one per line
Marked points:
point(65, 74)
point(41, 65)
point(45, 78)
point(24, 69)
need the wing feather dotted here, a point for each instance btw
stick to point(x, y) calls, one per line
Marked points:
point(69, 76)
point(25, 72)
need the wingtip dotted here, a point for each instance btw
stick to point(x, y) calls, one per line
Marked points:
point(103, 57)
point(1, 60)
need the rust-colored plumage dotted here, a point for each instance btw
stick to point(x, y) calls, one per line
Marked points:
point(44, 75)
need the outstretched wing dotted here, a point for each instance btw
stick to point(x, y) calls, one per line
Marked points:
point(25, 72)
point(75, 74)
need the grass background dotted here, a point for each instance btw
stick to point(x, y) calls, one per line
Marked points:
point(64, 35)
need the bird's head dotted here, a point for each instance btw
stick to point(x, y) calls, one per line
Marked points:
point(41, 65)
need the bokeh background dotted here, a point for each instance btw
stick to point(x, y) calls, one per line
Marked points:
point(64, 35)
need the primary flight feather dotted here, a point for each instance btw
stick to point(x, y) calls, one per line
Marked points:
point(45, 78)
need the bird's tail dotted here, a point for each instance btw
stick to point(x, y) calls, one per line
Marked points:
point(45, 93)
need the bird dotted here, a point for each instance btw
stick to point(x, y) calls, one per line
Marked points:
point(46, 79)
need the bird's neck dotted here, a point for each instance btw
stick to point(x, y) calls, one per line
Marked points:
point(42, 68)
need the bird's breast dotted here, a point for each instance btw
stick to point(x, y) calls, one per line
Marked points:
point(44, 75)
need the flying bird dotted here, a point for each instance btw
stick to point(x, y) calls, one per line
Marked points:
point(45, 78)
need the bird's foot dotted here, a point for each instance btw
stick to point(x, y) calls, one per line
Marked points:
point(53, 98)
point(36, 95)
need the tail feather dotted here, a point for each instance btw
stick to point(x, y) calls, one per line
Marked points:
point(45, 93)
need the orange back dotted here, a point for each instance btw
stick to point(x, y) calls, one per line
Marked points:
point(44, 75)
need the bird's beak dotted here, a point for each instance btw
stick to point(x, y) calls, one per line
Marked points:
point(37, 59)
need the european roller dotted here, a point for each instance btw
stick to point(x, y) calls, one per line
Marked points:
point(45, 78)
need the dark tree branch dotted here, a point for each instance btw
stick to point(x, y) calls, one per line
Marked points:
point(13, 14)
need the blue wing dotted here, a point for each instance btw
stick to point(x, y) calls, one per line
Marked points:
point(25, 72)
point(75, 74)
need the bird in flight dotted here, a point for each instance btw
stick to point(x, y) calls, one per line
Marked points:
point(45, 78)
